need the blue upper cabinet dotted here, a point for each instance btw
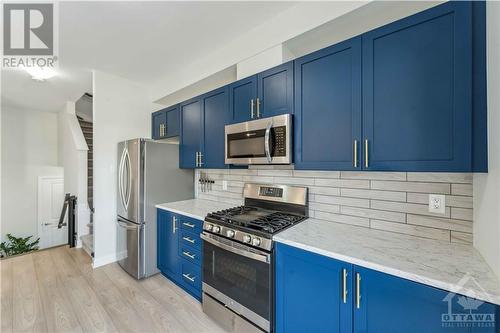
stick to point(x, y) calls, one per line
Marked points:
point(417, 92)
point(165, 123)
point(158, 121)
point(312, 294)
point(275, 91)
point(216, 116)
point(328, 108)
point(191, 133)
point(242, 98)
point(172, 125)
point(266, 94)
point(392, 305)
point(202, 130)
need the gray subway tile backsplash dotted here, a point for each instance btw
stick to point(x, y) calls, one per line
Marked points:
point(391, 201)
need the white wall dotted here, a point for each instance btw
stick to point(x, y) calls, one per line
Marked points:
point(269, 58)
point(121, 111)
point(29, 150)
point(487, 186)
point(73, 157)
point(302, 17)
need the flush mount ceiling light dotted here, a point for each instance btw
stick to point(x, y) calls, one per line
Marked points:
point(40, 73)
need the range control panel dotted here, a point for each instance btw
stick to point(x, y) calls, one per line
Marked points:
point(274, 192)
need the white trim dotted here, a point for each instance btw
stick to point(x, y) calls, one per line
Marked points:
point(111, 258)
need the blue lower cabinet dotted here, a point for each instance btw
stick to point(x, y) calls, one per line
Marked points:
point(167, 243)
point(179, 256)
point(191, 278)
point(392, 305)
point(309, 292)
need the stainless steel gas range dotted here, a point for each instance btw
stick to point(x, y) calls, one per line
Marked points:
point(238, 255)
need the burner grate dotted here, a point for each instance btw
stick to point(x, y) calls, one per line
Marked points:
point(254, 218)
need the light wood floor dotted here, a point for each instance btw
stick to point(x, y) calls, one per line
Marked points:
point(58, 291)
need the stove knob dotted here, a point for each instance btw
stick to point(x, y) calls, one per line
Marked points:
point(209, 227)
point(230, 233)
point(256, 241)
point(247, 239)
point(216, 228)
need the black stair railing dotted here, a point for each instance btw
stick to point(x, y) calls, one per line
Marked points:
point(69, 206)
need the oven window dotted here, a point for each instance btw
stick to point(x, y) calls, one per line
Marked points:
point(246, 281)
point(246, 145)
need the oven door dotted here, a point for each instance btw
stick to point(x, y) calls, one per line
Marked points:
point(238, 277)
point(261, 141)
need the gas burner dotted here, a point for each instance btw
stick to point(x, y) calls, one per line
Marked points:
point(267, 211)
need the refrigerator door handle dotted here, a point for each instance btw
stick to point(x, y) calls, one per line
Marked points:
point(129, 173)
point(120, 179)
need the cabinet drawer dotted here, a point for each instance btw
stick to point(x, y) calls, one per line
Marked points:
point(191, 274)
point(190, 224)
point(190, 254)
point(191, 239)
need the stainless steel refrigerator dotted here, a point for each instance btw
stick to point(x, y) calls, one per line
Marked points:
point(148, 174)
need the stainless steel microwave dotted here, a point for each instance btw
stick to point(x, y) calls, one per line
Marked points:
point(261, 141)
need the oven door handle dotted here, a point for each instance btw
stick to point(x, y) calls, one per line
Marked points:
point(267, 137)
point(260, 257)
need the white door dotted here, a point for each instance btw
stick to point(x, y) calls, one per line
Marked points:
point(50, 203)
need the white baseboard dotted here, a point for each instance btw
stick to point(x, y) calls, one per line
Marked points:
point(114, 257)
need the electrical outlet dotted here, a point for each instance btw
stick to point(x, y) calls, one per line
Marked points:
point(224, 185)
point(437, 203)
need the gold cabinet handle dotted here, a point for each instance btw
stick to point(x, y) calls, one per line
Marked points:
point(258, 108)
point(358, 290)
point(366, 153)
point(187, 254)
point(355, 153)
point(344, 285)
point(251, 108)
point(187, 276)
point(187, 239)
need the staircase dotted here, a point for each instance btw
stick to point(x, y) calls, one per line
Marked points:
point(87, 130)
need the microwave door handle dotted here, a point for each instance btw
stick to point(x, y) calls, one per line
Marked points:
point(267, 138)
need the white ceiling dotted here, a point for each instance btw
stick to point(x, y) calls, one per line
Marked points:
point(141, 41)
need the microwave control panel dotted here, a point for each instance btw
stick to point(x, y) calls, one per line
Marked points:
point(279, 141)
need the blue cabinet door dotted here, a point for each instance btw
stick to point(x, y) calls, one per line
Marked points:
point(417, 91)
point(168, 260)
point(275, 91)
point(172, 121)
point(328, 107)
point(172, 260)
point(215, 117)
point(309, 293)
point(191, 132)
point(393, 305)
point(242, 99)
point(158, 119)
point(162, 230)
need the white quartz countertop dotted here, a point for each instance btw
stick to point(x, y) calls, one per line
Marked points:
point(195, 208)
point(439, 264)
